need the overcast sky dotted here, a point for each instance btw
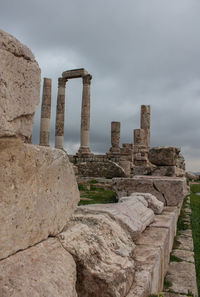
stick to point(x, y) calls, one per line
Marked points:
point(138, 52)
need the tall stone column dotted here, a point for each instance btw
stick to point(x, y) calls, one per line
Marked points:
point(115, 137)
point(85, 117)
point(45, 112)
point(60, 113)
point(145, 122)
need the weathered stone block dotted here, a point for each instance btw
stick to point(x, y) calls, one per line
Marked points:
point(157, 237)
point(19, 87)
point(45, 269)
point(38, 193)
point(131, 215)
point(164, 155)
point(103, 252)
point(182, 276)
point(169, 190)
point(107, 169)
point(149, 259)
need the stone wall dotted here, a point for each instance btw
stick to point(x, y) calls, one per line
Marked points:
point(38, 189)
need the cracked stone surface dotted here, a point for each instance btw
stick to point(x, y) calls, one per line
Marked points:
point(38, 193)
point(169, 190)
point(19, 87)
point(182, 276)
point(157, 237)
point(131, 215)
point(186, 243)
point(185, 255)
point(103, 252)
point(45, 269)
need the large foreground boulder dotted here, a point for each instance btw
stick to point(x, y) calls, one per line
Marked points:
point(103, 252)
point(101, 239)
point(19, 87)
point(38, 193)
point(164, 155)
point(46, 269)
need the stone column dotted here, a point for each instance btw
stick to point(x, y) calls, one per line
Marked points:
point(60, 113)
point(85, 117)
point(45, 112)
point(145, 121)
point(115, 137)
point(139, 137)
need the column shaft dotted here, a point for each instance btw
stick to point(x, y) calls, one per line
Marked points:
point(145, 122)
point(115, 136)
point(85, 116)
point(60, 114)
point(45, 112)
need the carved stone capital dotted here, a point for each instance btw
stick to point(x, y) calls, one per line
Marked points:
point(87, 79)
point(62, 82)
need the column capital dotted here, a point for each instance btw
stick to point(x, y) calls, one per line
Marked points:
point(62, 82)
point(87, 79)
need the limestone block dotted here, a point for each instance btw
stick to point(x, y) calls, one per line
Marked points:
point(74, 73)
point(107, 169)
point(172, 212)
point(180, 162)
point(170, 190)
point(164, 155)
point(139, 198)
point(185, 255)
point(131, 215)
point(103, 251)
point(149, 259)
point(185, 243)
point(38, 193)
point(182, 276)
point(166, 221)
point(142, 284)
point(45, 269)
point(19, 87)
point(157, 237)
point(153, 203)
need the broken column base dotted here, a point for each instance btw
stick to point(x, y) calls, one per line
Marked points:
point(84, 152)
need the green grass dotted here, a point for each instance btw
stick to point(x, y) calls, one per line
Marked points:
point(195, 222)
point(97, 195)
point(195, 188)
point(174, 258)
point(167, 284)
point(182, 223)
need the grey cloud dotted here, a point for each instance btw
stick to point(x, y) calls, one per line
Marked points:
point(139, 52)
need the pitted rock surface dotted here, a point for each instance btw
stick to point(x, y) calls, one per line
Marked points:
point(38, 193)
point(19, 87)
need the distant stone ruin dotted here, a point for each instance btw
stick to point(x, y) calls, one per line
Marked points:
point(84, 150)
point(133, 158)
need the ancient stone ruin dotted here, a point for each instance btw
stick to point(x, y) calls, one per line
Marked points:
point(51, 247)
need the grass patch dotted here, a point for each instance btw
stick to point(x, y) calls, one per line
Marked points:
point(182, 223)
point(174, 258)
point(176, 243)
point(167, 284)
point(97, 195)
point(195, 222)
point(195, 188)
